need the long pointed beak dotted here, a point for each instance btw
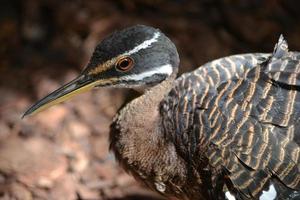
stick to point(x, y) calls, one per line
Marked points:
point(78, 85)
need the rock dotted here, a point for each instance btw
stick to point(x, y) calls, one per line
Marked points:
point(51, 118)
point(19, 192)
point(45, 183)
point(64, 188)
point(79, 162)
point(78, 129)
point(33, 162)
point(124, 180)
point(77, 156)
point(40, 193)
point(87, 193)
point(113, 193)
point(4, 130)
point(100, 147)
point(106, 171)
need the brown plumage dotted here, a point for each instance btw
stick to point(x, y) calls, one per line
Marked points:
point(232, 123)
point(229, 128)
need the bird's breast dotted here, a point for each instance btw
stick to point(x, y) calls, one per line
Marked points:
point(151, 159)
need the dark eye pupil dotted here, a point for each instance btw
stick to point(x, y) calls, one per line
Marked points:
point(124, 64)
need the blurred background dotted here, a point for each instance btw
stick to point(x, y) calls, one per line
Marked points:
point(62, 153)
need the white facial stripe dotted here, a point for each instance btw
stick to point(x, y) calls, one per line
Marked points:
point(229, 196)
point(270, 194)
point(165, 69)
point(143, 45)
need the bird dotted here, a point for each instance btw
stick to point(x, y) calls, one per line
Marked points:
point(230, 129)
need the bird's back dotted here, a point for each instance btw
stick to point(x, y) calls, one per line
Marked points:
point(236, 122)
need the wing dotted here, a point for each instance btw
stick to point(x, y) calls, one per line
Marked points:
point(182, 109)
point(192, 92)
point(253, 128)
point(238, 124)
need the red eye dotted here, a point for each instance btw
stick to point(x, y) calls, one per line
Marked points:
point(124, 64)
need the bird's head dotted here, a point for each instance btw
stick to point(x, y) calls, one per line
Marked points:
point(135, 57)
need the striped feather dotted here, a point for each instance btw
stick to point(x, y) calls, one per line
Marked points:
point(241, 114)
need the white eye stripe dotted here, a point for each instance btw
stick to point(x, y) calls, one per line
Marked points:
point(143, 45)
point(164, 69)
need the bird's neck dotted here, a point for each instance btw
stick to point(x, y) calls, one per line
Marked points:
point(142, 113)
point(137, 134)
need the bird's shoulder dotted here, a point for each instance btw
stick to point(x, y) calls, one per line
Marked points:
point(193, 91)
point(208, 77)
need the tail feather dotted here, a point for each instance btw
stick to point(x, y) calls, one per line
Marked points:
point(284, 66)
